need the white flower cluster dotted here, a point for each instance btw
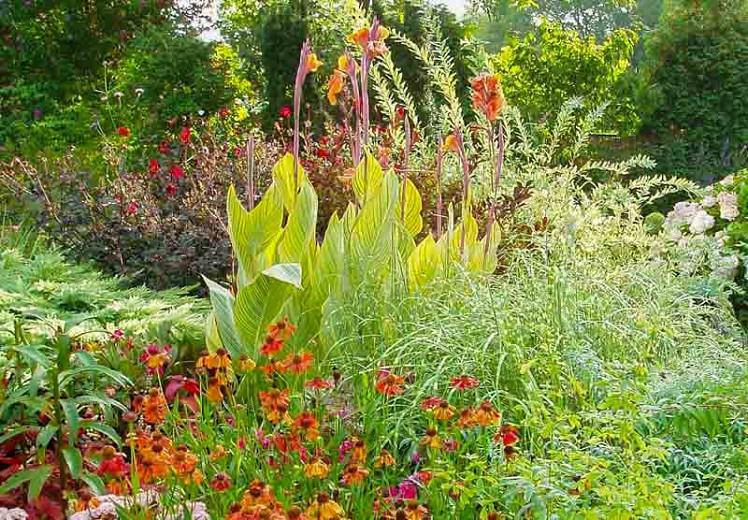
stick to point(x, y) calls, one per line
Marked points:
point(15, 513)
point(109, 504)
point(689, 226)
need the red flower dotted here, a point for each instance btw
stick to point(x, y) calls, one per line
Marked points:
point(123, 131)
point(176, 172)
point(221, 482)
point(298, 363)
point(164, 147)
point(508, 435)
point(185, 134)
point(285, 111)
point(487, 95)
point(153, 167)
point(431, 402)
point(464, 382)
point(171, 190)
point(271, 346)
point(323, 153)
point(318, 384)
point(389, 384)
point(223, 112)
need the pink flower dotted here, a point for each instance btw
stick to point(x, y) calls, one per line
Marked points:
point(117, 335)
point(132, 207)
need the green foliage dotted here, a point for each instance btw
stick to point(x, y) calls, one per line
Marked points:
point(696, 62)
point(546, 68)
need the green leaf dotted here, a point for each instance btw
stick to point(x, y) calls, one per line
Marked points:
point(94, 482)
point(411, 217)
point(74, 460)
point(70, 409)
point(331, 259)
point(66, 376)
point(33, 354)
point(287, 273)
point(367, 179)
point(103, 429)
point(18, 430)
point(45, 436)
point(34, 476)
point(300, 228)
point(223, 308)
point(284, 182)
point(423, 263)
point(258, 304)
point(251, 232)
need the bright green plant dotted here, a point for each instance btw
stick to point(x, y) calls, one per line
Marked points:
point(283, 270)
point(64, 380)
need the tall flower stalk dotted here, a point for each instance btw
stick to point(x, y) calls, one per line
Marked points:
point(308, 62)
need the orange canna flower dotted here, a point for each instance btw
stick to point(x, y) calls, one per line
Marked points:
point(154, 406)
point(487, 414)
point(281, 330)
point(487, 95)
point(450, 144)
point(431, 439)
point(343, 63)
point(384, 460)
point(324, 508)
point(298, 363)
point(335, 86)
point(317, 468)
point(353, 474)
point(312, 63)
point(390, 385)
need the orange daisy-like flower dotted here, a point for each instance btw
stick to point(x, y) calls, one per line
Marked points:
point(258, 494)
point(271, 346)
point(215, 390)
point(431, 402)
point(487, 95)
point(384, 460)
point(508, 435)
point(390, 384)
point(282, 330)
point(317, 468)
point(335, 86)
point(216, 361)
point(359, 451)
point(324, 508)
point(217, 453)
point(487, 414)
point(467, 418)
point(298, 363)
point(318, 384)
point(246, 364)
point(221, 482)
point(415, 511)
point(183, 462)
point(353, 474)
point(464, 382)
point(306, 425)
point(154, 406)
point(431, 439)
point(274, 399)
point(443, 412)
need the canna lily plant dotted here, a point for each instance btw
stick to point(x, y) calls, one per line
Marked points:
point(378, 242)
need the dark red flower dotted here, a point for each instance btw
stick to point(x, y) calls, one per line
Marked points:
point(164, 147)
point(323, 153)
point(171, 189)
point(185, 134)
point(123, 131)
point(221, 482)
point(176, 172)
point(285, 111)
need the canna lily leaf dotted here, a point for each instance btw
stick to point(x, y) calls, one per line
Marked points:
point(300, 228)
point(283, 181)
point(423, 263)
point(367, 179)
point(411, 217)
point(223, 309)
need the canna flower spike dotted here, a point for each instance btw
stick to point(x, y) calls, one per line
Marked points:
point(487, 95)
